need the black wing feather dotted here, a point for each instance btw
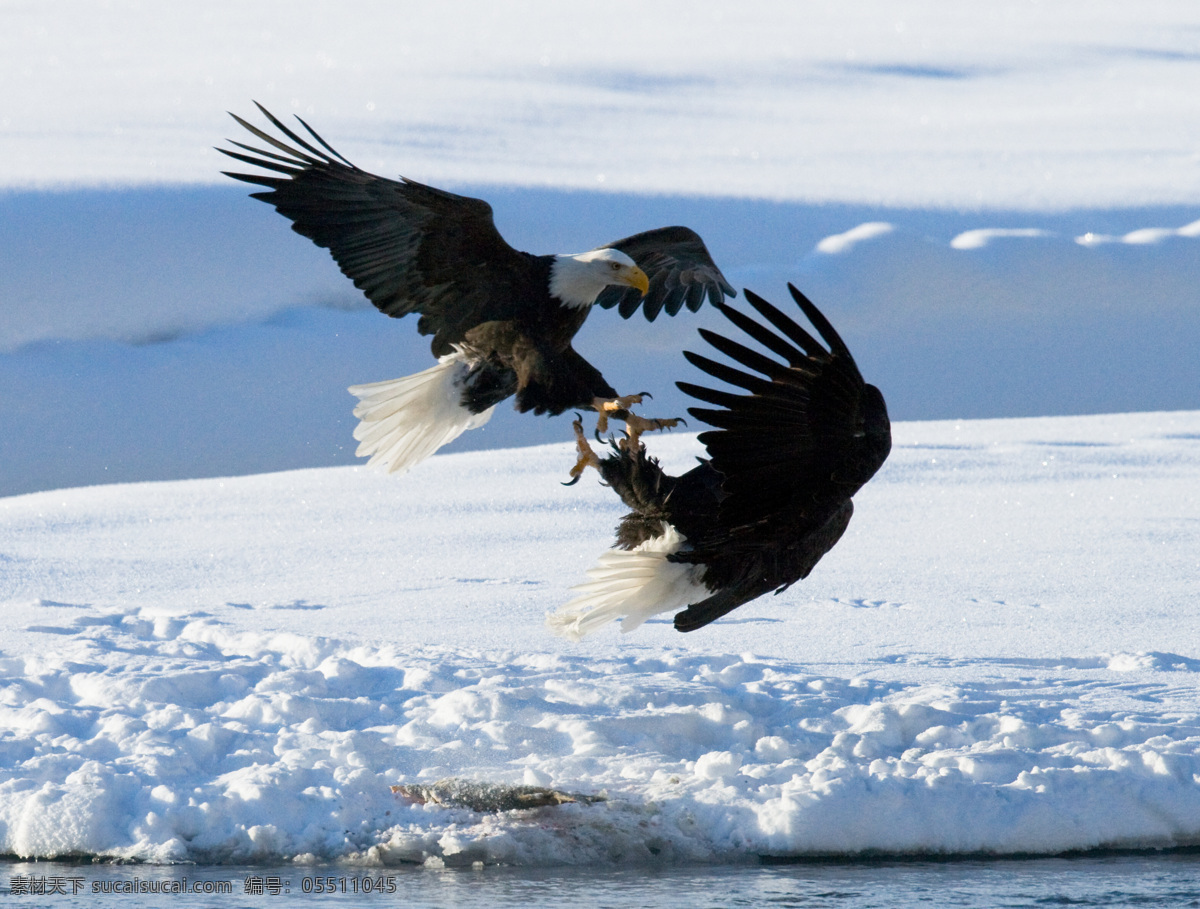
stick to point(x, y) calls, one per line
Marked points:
point(782, 323)
point(724, 373)
point(751, 359)
point(795, 448)
point(788, 449)
point(680, 269)
point(407, 246)
point(801, 558)
point(762, 334)
point(790, 456)
point(832, 338)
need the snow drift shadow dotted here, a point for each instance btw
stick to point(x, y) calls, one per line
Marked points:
point(156, 334)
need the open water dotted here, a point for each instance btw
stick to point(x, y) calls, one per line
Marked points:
point(1112, 881)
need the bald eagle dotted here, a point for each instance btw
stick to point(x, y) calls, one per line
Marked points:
point(772, 498)
point(502, 320)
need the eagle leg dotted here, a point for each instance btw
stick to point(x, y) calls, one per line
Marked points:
point(614, 407)
point(587, 457)
point(634, 425)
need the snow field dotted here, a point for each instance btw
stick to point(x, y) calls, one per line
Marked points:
point(180, 685)
point(1012, 105)
point(179, 741)
point(994, 203)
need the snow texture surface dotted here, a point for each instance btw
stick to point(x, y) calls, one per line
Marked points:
point(996, 204)
point(998, 657)
point(1010, 105)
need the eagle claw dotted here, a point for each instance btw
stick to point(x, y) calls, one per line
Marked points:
point(587, 457)
point(621, 408)
point(635, 426)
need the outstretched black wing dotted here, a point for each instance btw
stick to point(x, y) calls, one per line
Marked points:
point(681, 273)
point(407, 246)
point(792, 451)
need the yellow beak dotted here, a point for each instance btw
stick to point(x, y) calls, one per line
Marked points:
point(637, 278)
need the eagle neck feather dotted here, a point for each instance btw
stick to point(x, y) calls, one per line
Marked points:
point(573, 282)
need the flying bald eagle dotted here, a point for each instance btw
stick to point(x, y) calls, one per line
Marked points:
point(502, 320)
point(772, 498)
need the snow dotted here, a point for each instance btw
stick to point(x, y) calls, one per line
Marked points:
point(112, 372)
point(221, 642)
point(916, 103)
point(998, 657)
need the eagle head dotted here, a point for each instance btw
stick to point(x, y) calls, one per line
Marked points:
point(577, 280)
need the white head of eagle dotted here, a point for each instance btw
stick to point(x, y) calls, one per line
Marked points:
point(577, 280)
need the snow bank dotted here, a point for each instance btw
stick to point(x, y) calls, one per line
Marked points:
point(1000, 657)
point(181, 740)
point(1008, 104)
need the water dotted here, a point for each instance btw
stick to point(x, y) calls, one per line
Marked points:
point(1163, 879)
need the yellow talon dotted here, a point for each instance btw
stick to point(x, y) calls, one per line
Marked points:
point(635, 426)
point(607, 407)
point(620, 407)
point(587, 457)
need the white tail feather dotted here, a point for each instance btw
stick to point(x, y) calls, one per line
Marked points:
point(633, 583)
point(404, 421)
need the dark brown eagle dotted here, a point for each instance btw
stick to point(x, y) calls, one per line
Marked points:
point(772, 498)
point(502, 320)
